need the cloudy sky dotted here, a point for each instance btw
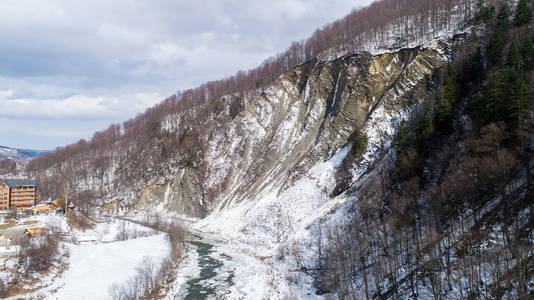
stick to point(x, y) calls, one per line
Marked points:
point(69, 68)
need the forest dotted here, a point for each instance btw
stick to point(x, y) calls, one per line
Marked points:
point(451, 218)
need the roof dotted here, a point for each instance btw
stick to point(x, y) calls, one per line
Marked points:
point(19, 182)
point(34, 230)
point(44, 205)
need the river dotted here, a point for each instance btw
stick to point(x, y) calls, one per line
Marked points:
point(215, 275)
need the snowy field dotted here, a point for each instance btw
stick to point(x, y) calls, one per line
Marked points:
point(94, 267)
point(99, 258)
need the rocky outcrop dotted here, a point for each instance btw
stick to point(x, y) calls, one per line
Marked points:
point(302, 119)
point(183, 193)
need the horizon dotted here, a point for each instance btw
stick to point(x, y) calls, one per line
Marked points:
point(66, 75)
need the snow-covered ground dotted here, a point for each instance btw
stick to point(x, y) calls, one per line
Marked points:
point(94, 267)
point(258, 243)
point(98, 258)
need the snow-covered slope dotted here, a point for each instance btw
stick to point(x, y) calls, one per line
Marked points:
point(304, 118)
point(303, 138)
point(271, 173)
point(18, 154)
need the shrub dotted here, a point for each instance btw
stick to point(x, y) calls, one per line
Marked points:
point(359, 143)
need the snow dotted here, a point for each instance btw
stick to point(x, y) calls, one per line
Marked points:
point(17, 154)
point(189, 269)
point(110, 230)
point(95, 267)
point(8, 251)
point(335, 90)
point(395, 40)
point(273, 233)
point(97, 259)
point(258, 234)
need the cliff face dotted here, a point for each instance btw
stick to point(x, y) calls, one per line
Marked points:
point(301, 120)
point(239, 148)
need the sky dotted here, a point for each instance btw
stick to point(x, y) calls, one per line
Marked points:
point(70, 68)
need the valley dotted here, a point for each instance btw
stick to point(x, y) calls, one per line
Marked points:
point(388, 156)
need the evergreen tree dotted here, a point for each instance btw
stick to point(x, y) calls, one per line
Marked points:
point(359, 143)
point(518, 94)
point(401, 141)
point(528, 51)
point(425, 128)
point(515, 59)
point(498, 38)
point(492, 105)
point(447, 100)
point(504, 15)
point(522, 13)
point(496, 47)
point(484, 12)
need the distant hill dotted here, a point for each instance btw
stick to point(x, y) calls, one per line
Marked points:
point(18, 154)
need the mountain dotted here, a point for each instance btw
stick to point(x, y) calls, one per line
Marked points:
point(19, 154)
point(394, 165)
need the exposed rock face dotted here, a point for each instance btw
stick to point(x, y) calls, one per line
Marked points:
point(304, 118)
point(181, 194)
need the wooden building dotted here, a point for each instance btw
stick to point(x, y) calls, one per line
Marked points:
point(52, 205)
point(18, 194)
point(34, 231)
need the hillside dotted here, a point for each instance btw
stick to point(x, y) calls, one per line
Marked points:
point(18, 154)
point(388, 161)
point(172, 137)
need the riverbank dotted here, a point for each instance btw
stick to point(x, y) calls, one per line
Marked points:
point(108, 253)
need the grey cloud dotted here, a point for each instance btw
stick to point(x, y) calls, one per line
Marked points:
point(54, 49)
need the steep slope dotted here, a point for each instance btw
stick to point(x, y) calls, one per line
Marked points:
point(172, 144)
point(303, 118)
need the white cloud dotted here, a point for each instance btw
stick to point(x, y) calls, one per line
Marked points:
point(76, 107)
point(4, 94)
point(88, 63)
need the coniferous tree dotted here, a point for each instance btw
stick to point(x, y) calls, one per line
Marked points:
point(359, 143)
point(425, 128)
point(499, 36)
point(528, 51)
point(484, 12)
point(447, 100)
point(490, 103)
point(515, 59)
point(522, 13)
point(517, 105)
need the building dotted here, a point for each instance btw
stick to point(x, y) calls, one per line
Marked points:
point(18, 194)
point(4, 241)
point(7, 248)
point(34, 231)
point(52, 205)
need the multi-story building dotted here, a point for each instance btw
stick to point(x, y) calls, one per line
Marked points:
point(18, 193)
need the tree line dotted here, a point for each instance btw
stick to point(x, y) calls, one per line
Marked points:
point(451, 217)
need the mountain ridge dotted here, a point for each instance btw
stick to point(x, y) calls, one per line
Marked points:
point(19, 154)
